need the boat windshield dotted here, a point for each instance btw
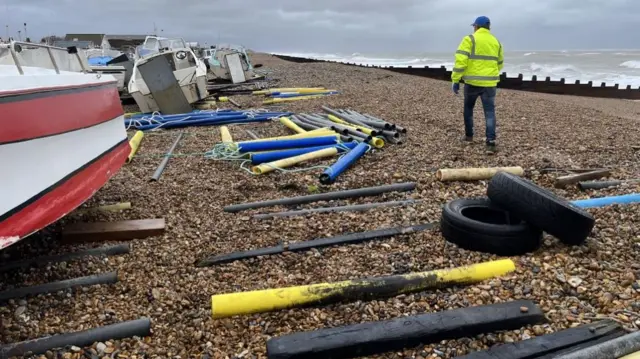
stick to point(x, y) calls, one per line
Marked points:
point(172, 44)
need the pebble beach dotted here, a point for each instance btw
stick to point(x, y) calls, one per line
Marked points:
point(159, 279)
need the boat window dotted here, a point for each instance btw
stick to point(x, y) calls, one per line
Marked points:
point(151, 43)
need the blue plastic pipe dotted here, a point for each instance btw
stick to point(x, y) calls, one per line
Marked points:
point(204, 122)
point(268, 145)
point(330, 174)
point(258, 158)
point(607, 201)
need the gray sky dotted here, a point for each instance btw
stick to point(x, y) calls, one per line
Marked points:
point(346, 26)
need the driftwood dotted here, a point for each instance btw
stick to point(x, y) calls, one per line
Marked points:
point(563, 181)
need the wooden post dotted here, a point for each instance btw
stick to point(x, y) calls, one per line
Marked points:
point(113, 231)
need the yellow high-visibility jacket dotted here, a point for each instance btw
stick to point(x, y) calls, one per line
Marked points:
point(479, 60)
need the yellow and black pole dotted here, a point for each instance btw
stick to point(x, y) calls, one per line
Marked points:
point(260, 301)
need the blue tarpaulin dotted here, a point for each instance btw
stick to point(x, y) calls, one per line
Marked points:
point(99, 60)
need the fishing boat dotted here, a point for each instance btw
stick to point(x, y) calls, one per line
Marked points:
point(167, 75)
point(62, 135)
point(228, 62)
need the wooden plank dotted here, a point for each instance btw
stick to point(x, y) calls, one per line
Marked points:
point(113, 231)
point(384, 336)
point(563, 181)
point(551, 344)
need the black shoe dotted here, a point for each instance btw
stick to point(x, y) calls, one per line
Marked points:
point(491, 148)
point(468, 139)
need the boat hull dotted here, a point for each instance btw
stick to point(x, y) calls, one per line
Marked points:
point(62, 139)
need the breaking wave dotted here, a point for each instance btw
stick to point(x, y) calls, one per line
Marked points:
point(631, 64)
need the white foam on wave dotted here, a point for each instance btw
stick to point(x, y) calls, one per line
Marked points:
point(571, 70)
point(552, 69)
point(631, 64)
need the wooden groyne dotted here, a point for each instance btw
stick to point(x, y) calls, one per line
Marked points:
point(560, 87)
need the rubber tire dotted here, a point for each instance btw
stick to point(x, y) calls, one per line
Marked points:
point(475, 235)
point(540, 207)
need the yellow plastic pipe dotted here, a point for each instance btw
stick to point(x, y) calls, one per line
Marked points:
point(377, 142)
point(288, 162)
point(134, 143)
point(308, 134)
point(225, 134)
point(260, 301)
point(635, 355)
point(288, 89)
point(472, 174)
point(289, 99)
point(291, 125)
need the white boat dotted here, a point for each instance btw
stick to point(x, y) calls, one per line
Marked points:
point(229, 62)
point(189, 72)
point(62, 135)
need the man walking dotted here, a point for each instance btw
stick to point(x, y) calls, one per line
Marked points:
point(479, 60)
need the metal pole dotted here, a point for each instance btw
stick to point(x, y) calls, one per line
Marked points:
point(140, 328)
point(351, 193)
point(350, 208)
point(165, 160)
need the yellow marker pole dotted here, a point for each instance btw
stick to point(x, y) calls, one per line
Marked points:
point(134, 143)
point(288, 162)
point(260, 301)
point(225, 134)
point(291, 125)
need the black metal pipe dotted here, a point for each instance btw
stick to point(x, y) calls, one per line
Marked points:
point(599, 184)
point(615, 348)
point(343, 239)
point(397, 128)
point(165, 160)
point(372, 123)
point(351, 193)
point(40, 261)
point(310, 127)
point(347, 118)
point(104, 278)
point(349, 208)
point(374, 132)
point(138, 328)
point(338, 127)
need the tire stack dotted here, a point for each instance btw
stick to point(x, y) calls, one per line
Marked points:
point(512, 219)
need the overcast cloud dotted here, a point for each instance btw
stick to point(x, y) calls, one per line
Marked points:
point(345, 26)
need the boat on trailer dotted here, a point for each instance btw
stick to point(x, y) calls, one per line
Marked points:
point(167, 75)
point(62, 135)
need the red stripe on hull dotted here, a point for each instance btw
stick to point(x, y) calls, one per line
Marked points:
point(66, 196)
point(58, 113)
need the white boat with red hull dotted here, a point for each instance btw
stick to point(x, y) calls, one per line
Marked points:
point(62, 136)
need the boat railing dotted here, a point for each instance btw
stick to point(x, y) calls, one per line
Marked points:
point(25, 54)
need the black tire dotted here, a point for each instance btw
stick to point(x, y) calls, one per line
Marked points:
point(478, 225)
point(541, 207)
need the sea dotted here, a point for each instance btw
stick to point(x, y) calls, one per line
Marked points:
point(609, 66)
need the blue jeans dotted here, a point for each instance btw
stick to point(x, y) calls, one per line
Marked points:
point(488, 97)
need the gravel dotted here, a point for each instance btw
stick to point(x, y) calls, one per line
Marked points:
point(158, 279)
